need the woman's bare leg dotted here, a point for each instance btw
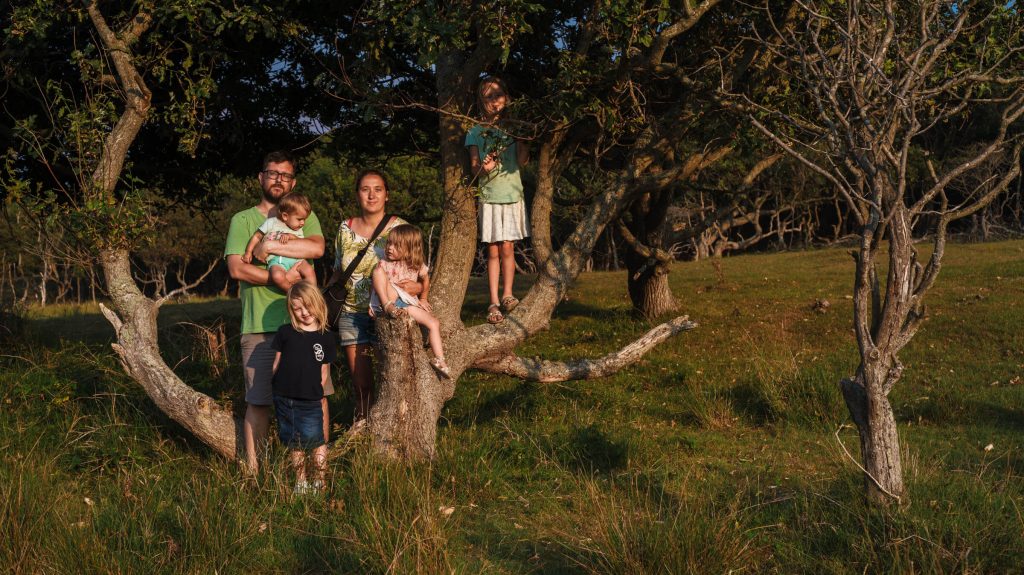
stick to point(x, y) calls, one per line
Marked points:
point(360, 364)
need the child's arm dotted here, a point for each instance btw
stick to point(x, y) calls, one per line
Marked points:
point(325, 373)
point(425, 281)
point(277, 361)
point(476, 166)
point(253, 241)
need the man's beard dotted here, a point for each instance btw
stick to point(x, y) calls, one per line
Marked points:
point(268, 194)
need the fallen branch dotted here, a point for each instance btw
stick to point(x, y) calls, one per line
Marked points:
point(545, 371)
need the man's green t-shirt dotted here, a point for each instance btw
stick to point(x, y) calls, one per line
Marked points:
point(263, 307)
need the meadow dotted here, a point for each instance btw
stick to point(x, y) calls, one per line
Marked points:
point(728, 449)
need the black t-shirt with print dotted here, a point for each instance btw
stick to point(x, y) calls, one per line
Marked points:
point(302, 354)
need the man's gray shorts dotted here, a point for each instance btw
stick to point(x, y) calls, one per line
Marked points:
point(258, 365)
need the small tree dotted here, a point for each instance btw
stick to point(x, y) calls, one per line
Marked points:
point(884, 91)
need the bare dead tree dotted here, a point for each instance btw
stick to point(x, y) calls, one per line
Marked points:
point(877, 80)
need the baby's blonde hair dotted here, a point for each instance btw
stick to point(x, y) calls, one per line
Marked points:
point(409, 239)
point(293, 202)
point(314, 302)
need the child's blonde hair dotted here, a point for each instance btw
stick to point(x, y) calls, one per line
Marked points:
point(314, 302)
point(409, 240)
point(292, 202)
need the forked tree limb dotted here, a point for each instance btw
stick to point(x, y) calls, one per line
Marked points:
point(545, 371)
point(213, 265)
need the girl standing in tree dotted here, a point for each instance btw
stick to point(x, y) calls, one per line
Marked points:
point(495, 158)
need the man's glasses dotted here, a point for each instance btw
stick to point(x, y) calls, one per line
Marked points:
point(276, 175)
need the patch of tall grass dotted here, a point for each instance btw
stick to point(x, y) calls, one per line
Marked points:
point(634, 525)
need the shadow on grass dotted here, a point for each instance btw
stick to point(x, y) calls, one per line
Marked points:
point(951, 408)
point(750, 402)
point(520, 401)
point(92, 328)
point(589, 450)
point(519, 554)
point(323, 554)
point(87, 327)
point(475, 311)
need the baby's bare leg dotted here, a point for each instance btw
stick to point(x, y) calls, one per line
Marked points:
point(279, 277)
point(293, 276)
point(305, 271)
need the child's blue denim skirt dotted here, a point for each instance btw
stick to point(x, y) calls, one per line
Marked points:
point(300, 422)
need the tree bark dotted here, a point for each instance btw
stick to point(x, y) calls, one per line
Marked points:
point(411, 394)
point(537, 369)
point(137, 347)
point(135, 320)
point(649, 290)
point(879, 442)
point(457, 74)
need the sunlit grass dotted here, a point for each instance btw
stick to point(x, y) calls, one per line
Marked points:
point(720, 451)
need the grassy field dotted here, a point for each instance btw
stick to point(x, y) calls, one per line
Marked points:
point(724, 450)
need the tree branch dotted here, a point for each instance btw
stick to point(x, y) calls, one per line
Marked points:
point(544, 371)
point(213, 265)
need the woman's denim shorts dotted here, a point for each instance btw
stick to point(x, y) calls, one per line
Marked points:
point(356, 328)
point(300, 422)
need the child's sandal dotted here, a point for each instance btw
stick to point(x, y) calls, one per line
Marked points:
point(393, 310)
point(509, 303)
point(442, 367)
point(494, 314)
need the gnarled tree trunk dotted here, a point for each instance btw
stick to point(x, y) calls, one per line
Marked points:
point(138, 349)
point(403, 421)
point(879, 441)
point(647, 262)
point(135, 319)
point(648, 287)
